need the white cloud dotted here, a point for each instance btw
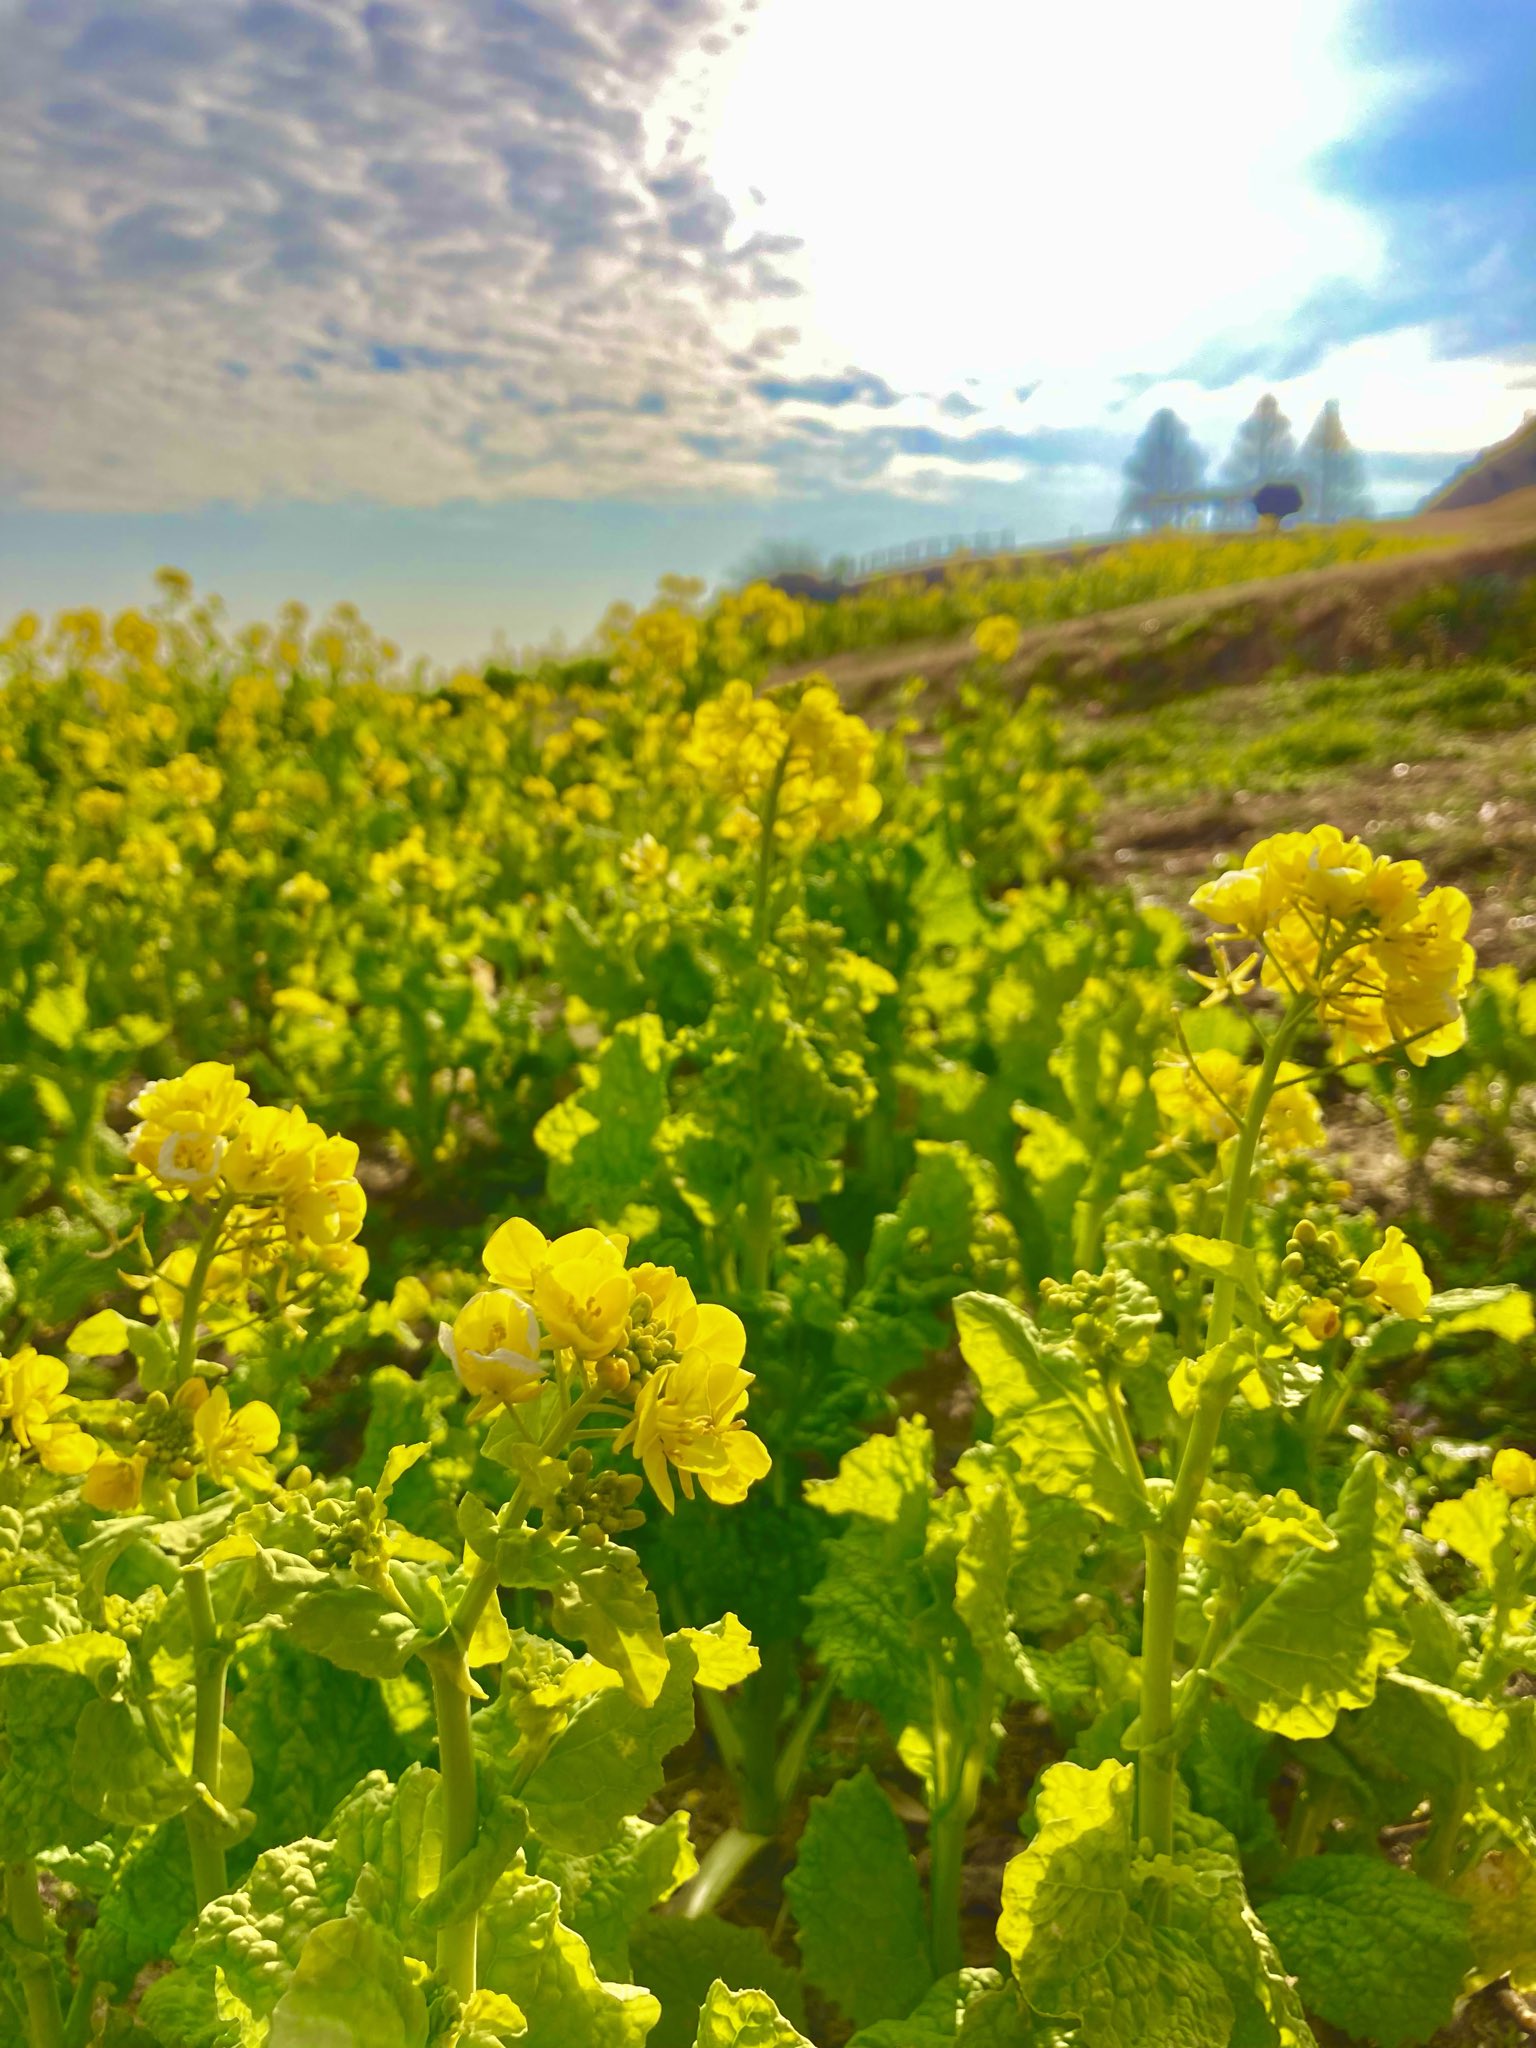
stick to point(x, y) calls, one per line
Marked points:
point(416, 251)
point(405, 249)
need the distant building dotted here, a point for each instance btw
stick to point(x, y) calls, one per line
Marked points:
point(801, 583)
point(1507, 466)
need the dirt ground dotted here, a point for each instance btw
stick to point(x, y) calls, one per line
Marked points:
point(1471, 820)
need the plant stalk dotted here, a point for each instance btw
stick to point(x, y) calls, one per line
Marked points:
point(1157, 1757)
point(210, 1652)
point(725, 1860)
point(447, 1663)
point(765, 853)
point(458, 1940)
point(29, 1924)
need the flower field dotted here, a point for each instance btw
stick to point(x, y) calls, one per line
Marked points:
point(670, 1378)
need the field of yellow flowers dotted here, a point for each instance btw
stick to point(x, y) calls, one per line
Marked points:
point(665, 1383)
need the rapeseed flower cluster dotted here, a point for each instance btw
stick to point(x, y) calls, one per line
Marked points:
point(1382, 963)
point(198, 1428)
point(291, 1190)
point(1207, 1097)
point(803, 774)
point(635, 1335)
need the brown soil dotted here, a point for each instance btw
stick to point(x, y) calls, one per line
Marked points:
point(1471, 820)
point(1319, 620)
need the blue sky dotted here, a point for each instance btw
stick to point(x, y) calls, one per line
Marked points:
point(482, 312)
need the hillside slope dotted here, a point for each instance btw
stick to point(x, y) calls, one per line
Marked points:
point(1319, 619)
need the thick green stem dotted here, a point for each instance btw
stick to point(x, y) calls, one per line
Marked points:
point(1234, 1220)
point(1157, 1758)
point(448, 1665)
point(456, 1943)
point(1437, 1858)
point(765, 851)
point(210, 1673)
point(79, 2021)
point(725, 1860)
point(197, 1280)
point(757, 1230)
point(959, 1763)
point(210, 1652)
point(29, 1924)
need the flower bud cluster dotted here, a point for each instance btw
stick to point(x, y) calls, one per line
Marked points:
point(1329, 1280)
point(595, 1505)
point(1111, 1316)
point(646, 1345)
point(352, 1532)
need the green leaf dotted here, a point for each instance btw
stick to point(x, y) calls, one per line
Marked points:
point(1505, 1312)
point(143, 1909)
point(58, 1014)
point(256, 1934)
point(603, 1896)
point(856, 1899)
point(1320, 1637)
point(90, 1655)
point(725, 1653)
point(39, 1710)
point(873, 1590)
point(1048, 1408)
point(120, 1774)
point(1083, 1945)
point(1208, 1903)
point(312, 1730)
point(352, 1989)
point(600, 1597)
point(397, 1832)
point(604, 1764)
point(1500, 1893)
point(601, 1141)
point(531, 1958)
point(1219, 1260)
point(1229, 1766)
point(880, 1477)
point(744, 2019)
point(975, 2007)
point(1018, 1562)
point(397, 1462)
point(1477, 1526)
point(1374, 1949)
point(104, 1335)
point(681, 1959)
point(351, 1626)
point(503, 1831)
point(194, 2009)
point(489, 2021)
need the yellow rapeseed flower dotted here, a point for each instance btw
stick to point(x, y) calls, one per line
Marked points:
point(33, 1393)
point(115, 1484)
point(688, 1416)
point(186, 1124)
point(519, 1252)
point(1383, 963)
point(997, 638)
point(1515, 1472)
point(583, 1302)
point(493, 1346)
point(234, 1441)
point(1208, 1098)
point(1397, 1277)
